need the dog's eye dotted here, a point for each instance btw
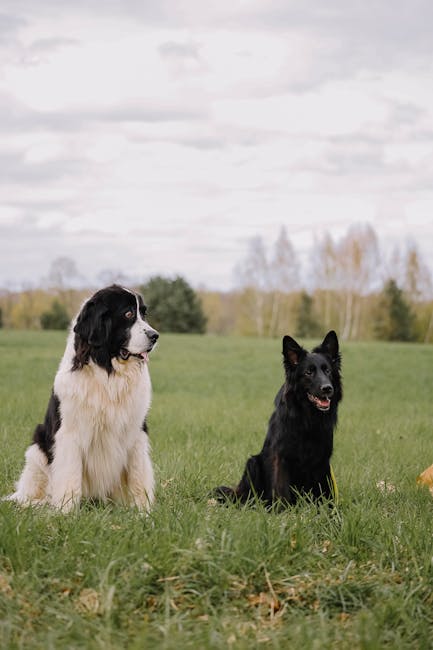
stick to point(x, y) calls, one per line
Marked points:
point(309, 372)
point(129, 314)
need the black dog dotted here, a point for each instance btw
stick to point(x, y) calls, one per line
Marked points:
point(297, 449)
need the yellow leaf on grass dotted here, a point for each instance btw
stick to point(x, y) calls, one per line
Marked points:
point(5, 587)
point(266, 599)
point(385, 486)
point(87, 601)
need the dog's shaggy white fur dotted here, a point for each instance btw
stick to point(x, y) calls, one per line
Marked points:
point(99, 447)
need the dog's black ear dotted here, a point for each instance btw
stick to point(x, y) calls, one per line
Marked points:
point(292, 351)
point(330, 345)
point(93, 325)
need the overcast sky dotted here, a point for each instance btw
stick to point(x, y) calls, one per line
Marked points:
point(159, 137)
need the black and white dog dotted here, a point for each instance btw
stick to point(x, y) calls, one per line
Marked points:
point(295, 458)
point(93, 442)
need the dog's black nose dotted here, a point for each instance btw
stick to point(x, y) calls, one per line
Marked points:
point(153, 336)
point(327, 390)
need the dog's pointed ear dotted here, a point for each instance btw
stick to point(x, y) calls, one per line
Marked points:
point(330, 345)
point(92, 326)
point(292, 351)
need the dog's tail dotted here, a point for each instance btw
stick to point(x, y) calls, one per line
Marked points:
point(224, 494)
point(251, 486)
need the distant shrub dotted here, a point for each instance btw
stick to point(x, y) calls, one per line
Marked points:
point(56, 318)
point(173, 305)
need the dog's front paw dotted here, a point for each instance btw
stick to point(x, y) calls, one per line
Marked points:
point(23, 500)
point(10, 497)
point(143, 502)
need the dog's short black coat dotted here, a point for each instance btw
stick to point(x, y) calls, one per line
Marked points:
point(295, 458)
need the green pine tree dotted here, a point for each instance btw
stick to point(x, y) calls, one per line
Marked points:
point(395, 320)
point(307, 324)
point(173, 305)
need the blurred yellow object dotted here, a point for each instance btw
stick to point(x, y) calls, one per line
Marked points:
point(426, 478)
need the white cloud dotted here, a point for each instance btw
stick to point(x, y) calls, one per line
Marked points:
point(160, 137)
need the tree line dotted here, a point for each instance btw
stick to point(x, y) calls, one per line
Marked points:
point(173, 304)
point(348, 285)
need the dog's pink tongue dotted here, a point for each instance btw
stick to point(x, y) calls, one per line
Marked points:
point(324, 402)
point(145, 357)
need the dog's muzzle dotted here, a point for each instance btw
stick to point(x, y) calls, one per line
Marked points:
point(125, 354)
point(322, 403)
point(152, 336)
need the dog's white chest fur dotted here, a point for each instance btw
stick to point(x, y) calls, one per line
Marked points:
point(102, 414)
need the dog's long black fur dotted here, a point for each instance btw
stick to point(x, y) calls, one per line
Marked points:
point(295, 458)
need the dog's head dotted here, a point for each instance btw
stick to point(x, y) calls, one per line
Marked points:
point(111, 324)
point(314, 376)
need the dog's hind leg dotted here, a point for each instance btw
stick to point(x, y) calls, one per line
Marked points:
point(250, 486)
point(252, 483)
point(31, 487)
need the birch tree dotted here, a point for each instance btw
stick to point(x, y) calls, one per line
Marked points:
point(284, 278)
point(253, 277)
point(417, 284)
point(358, 266)
point(417, 280)
point(324, 273)
point(63, 275)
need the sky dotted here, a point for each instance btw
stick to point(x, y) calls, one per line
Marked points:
point(158, 137)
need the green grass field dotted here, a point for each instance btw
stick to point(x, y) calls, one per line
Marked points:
point(192, 575)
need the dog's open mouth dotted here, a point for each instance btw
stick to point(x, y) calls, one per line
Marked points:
point(126, 354)
point(322, 404)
